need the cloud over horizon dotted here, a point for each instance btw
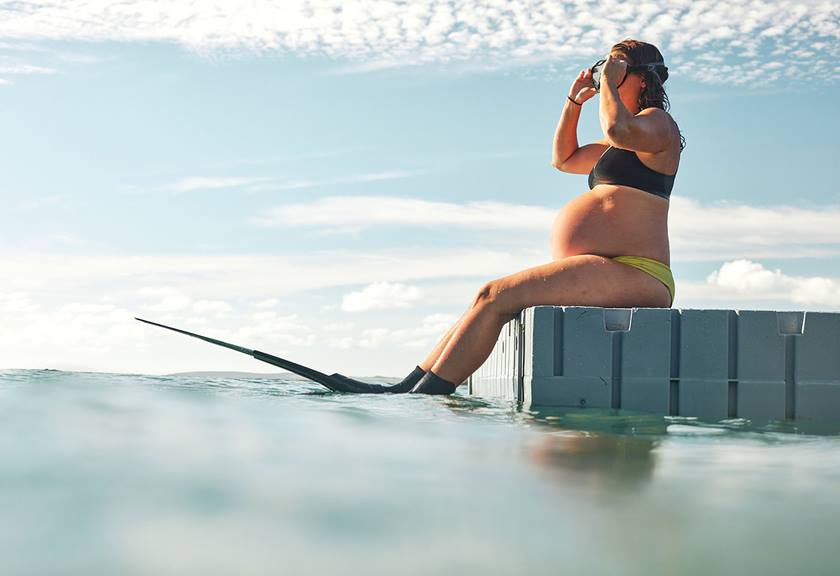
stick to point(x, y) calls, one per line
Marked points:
point(753, 279)
point(85, 326)
point(744, 42)
point(698, 231)
point(381, 296)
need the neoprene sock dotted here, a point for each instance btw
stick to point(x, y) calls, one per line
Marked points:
point(431, 383)
point(408, 382)
point(359, 387)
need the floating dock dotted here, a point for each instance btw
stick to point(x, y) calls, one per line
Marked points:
point(713, 364)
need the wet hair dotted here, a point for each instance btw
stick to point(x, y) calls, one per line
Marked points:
point(653, 94)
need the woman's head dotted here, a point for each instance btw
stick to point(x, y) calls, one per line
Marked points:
point(652, 93)
point(648, 83)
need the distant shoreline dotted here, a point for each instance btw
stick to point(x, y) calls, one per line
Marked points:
point(266, 375)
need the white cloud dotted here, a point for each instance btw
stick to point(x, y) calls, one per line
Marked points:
point(377, 176)
point(745, 275)
point(386, 33)
point(208, 183)
point(697, 231)
point(79, 307)
point(211, 307)
point(731, 229)
point(87, 308)
point(372, 338)
point(176, 279)
point(168, 299)
point(358, 212)
point(430, 329)
point(75, 335)
point(75, 312)
point(267, 183)
point(381, 296)
point(21, 47)
point(274, 331)
point(80, 58)
point(757, 282)
point(16, 302)
point(25, 69)
point(299, 184)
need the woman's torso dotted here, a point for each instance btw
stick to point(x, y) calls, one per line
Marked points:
point(617, 219)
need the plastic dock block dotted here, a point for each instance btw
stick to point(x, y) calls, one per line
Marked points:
point(713, 364)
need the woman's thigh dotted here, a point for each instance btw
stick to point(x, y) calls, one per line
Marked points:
point(582, 280)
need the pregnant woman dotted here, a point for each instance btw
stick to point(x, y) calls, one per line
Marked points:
point(610, 244)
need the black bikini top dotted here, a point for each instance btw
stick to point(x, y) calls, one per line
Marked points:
point(619, 166)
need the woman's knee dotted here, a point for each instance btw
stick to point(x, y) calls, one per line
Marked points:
point(491, 295)
point(487, 294)
point(496, 298)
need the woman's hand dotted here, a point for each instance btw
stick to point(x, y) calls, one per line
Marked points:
point(615, 68)
point(582, 88)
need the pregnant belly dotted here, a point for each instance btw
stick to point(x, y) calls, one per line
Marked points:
point(612, 221)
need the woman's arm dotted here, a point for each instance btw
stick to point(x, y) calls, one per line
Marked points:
point(648, 131)
point(565, 136)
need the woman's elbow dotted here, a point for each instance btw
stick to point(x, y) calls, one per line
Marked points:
point(617, 134)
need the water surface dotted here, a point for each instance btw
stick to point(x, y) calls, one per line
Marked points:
point(133, 474)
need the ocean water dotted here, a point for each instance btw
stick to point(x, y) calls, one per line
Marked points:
point(133, 474)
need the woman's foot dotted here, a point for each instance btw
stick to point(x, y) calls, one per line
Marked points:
point(431, 383)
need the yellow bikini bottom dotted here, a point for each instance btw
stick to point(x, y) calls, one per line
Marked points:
point(653, 267)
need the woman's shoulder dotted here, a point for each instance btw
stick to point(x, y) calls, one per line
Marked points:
point(664, 116)
point(655, 112)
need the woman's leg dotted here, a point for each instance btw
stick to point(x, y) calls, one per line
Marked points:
point(409, 381)
point(583, 280)
point(436, 352)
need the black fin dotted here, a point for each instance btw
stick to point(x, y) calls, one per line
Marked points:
point(336, 382)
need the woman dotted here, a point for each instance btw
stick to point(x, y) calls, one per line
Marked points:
point(610, 244)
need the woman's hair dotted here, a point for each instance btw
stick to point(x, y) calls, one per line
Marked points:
point(653, 94)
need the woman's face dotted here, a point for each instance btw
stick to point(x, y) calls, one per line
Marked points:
point(633, 83)
point(630, 87)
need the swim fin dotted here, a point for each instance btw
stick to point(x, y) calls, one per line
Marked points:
point(403, 387)
point(334, 382)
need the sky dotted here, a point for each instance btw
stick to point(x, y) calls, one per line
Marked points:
point(332, 181)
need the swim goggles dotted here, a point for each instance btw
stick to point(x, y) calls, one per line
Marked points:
point(598, 68)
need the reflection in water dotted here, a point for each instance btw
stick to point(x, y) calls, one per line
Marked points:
point(604, 450)
point(607, 463)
